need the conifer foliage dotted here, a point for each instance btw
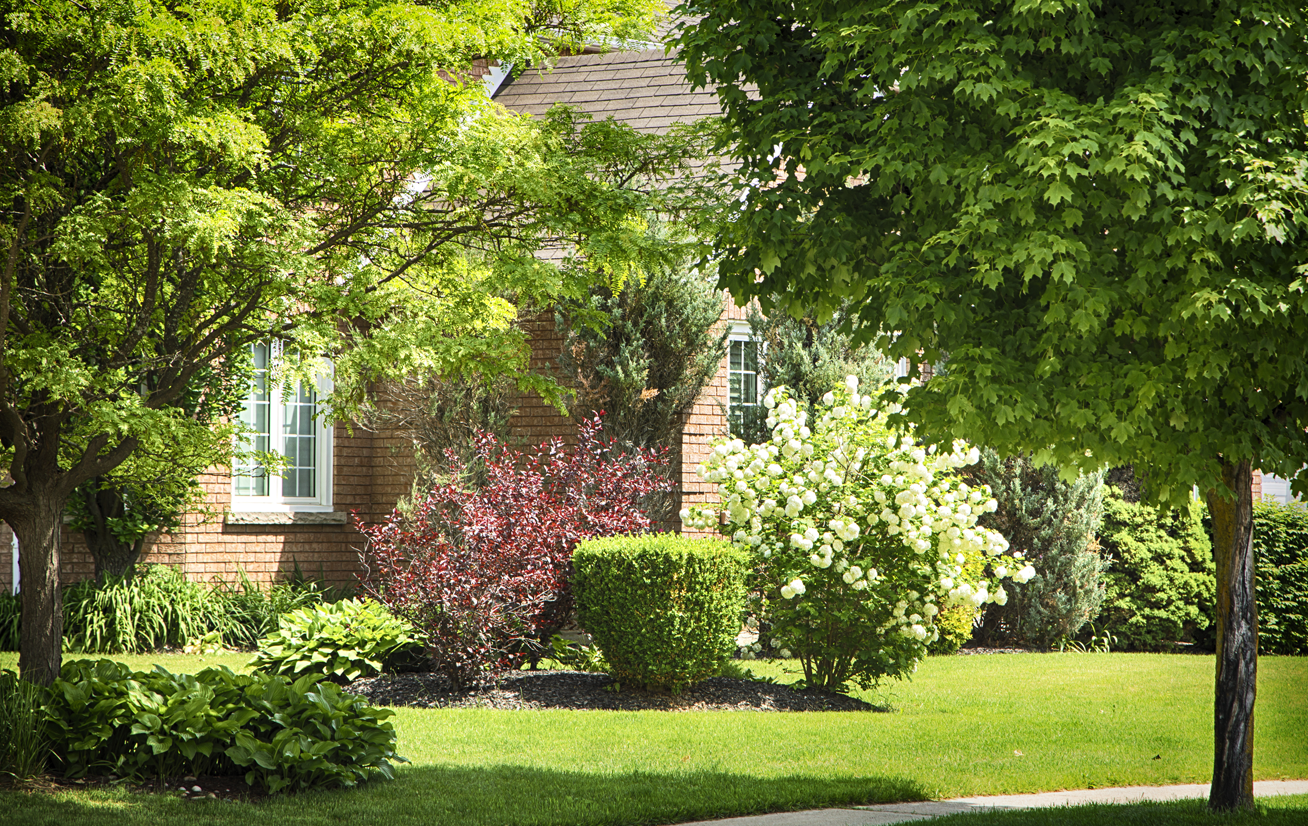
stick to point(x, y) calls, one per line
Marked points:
point(1053, 523)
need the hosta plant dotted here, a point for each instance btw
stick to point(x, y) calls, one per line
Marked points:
point(861, 536)
point(279, 734)
point(483, 574)
point(342, 640)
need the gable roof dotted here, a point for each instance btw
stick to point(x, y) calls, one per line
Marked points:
point(647, 90)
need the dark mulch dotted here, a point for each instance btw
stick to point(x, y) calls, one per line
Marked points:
point(583, 691)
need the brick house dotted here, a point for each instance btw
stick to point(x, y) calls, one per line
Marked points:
point(267, 526)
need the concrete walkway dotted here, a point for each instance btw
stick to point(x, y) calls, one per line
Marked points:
point(911, 812)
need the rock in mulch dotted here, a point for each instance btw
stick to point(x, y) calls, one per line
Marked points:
point(579, 690)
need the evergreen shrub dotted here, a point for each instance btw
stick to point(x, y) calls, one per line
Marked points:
point(343, 641)
point(1053, 523)
point(1281, 554)
point(665, 610)
point(105, 718)
point(1160, 582)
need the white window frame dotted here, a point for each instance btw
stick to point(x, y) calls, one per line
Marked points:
point(274, 501)
point(741, 332)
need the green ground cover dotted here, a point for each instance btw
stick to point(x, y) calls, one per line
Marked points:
point(963, 726)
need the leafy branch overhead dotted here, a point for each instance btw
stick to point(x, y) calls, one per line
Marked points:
point(1095, 210)
point(183, 181)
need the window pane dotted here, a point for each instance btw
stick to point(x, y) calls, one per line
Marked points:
point(300, 445)
point(250, 479)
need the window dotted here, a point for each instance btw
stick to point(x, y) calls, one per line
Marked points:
point(1276, 489)
point(744, 387)
point(284, 420)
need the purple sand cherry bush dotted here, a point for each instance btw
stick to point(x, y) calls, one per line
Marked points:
point(484, 574)
point(860, 536)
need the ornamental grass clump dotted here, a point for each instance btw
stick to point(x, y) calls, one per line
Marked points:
point(861, 536)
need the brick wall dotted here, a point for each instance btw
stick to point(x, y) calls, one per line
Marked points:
point(371, 471)
point(535, 421)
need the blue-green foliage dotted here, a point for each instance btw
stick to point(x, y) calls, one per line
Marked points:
point(104, 718)
point(343, 640)
point(664, 609)
point(1281, 552)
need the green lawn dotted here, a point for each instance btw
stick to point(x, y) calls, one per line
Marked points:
point(963, 726)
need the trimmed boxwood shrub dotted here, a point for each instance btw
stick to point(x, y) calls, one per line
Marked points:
point(664, 609)
point(342, 640)
point(1160, 581)
point(105, 718)
point(1281, 554)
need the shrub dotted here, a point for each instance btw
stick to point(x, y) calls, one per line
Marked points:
point(158, 608)
point(955, 624)
point(484, 574)
point(1160, 582)
point(861, 537)
point(1053, 523)
point(254, 613)
point(343, 641)
point(24, 746)
point(1281, 552)
point(808, 359)
point(281, 735)
point(665, 610)
point(656, 347)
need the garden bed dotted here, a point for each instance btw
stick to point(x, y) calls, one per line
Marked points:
point(581, 690)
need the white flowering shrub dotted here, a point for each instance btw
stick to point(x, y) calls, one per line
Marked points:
point(861, 536)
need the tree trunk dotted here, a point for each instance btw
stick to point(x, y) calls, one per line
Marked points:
point(1237, 641)
point(113, 558)
point(40, 644)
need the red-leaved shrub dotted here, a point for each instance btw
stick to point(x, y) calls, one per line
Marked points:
point(485, 574)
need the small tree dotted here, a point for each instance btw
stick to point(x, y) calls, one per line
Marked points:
point(641, 355)
point(1096, 210)
point(485, 574)
point(1053, 523)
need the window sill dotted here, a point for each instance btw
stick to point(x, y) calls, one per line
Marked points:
point(285, 518)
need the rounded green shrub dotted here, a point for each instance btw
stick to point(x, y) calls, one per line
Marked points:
point(1281, 554)
point(665, 610)
point(342, 640)
point(1160, 581)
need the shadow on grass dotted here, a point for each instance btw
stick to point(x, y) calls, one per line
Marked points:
point(493, 796)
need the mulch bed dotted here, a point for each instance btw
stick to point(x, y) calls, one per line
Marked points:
point(583, 691)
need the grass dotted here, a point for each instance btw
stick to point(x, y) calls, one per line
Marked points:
point(963, 726)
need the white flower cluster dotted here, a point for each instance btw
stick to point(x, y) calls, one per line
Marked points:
point(844, 495)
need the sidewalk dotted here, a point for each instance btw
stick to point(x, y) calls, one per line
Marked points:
point(885, 813)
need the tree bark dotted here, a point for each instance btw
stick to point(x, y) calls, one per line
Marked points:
point(40, 643)
point(1237, 641)
point(113, 558)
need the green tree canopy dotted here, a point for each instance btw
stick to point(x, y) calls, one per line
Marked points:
point(183, 180)
point(1094, 210)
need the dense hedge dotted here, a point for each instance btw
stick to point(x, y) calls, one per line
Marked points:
point(665, 610)
point(105, 718)
point(1281, 553)
point(1160, 585)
